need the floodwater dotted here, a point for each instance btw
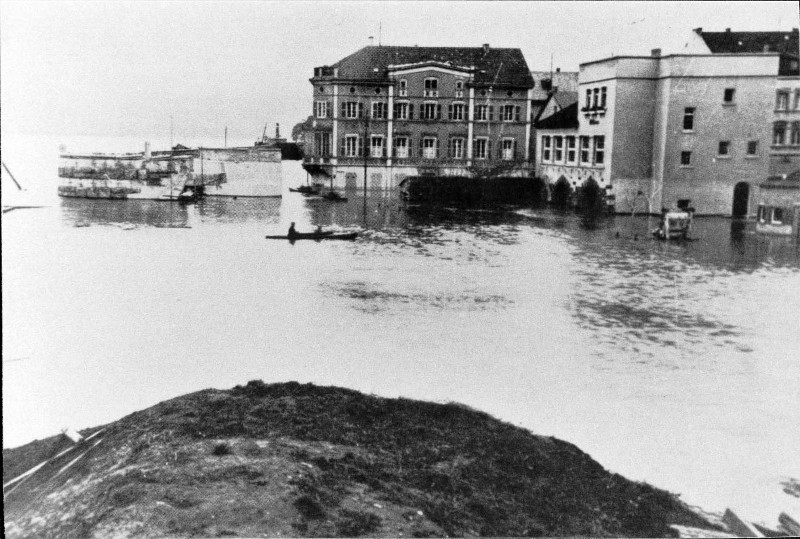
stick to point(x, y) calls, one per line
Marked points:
point(672, 363)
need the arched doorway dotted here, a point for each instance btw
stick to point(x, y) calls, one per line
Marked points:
point(741, 199)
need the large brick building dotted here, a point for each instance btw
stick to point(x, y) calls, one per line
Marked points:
point(393, 112)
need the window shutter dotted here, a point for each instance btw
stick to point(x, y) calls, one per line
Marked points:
point(361, 110)
point(393, 148)
point(514, 154)
point(517, 113)
point(491, 113)
point(438, 112)
point(449, 148)
point(450, 111)
point(360, 144)
point(342, 147)
point(410, 143)
point(488, 149)
point(411, 111)
point(436, 146)
point(344, 110)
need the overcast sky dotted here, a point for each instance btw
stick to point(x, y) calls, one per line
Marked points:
point(122, 68)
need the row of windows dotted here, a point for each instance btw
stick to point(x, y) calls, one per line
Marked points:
point(557, 149)
point(783, 98)
point(723, 150)
point(428, 147)
point(595, 98)
point(773, 216)
point(456, 111)
point(780, 130)
point(430, 89)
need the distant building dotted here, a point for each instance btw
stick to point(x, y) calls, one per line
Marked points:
point(407, 111)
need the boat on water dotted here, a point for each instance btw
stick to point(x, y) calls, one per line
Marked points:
point(305, 190)
point(675, 225)
point(315, 236)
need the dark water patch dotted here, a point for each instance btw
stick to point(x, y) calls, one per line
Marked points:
point(372, 299)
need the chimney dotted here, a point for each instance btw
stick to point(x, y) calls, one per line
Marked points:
point(698, 31)
point(277, 131)
point(371, 39)
point(655, 53)
point(727, 30)
point(558, 70)
point(485, 48)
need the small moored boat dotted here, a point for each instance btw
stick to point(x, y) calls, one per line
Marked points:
point(675, 225)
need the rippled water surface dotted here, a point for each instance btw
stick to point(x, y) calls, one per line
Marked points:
point(676, 364)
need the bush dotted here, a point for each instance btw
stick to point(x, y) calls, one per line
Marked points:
point(309, 508)
point(221, 450)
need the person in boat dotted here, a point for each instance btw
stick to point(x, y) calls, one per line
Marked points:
point(292, 232)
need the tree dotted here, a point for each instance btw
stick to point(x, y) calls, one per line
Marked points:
point(299, 130)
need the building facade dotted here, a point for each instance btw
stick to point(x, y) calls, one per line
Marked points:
point(385, 113)
point(681, 127)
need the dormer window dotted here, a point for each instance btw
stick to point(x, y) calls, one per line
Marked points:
point(431, 87)
point(459, 88)
point(402, 89)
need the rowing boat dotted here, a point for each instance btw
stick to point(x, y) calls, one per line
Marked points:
point(315, 236)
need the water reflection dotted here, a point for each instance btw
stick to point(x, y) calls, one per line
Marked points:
point(126, 213)
point(239, 209)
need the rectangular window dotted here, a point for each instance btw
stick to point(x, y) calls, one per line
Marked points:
point(508, 149)
point(431, 111)
point(481, 148)
point(782, 102)
point(352, 109)
point(558, 154)
point(457, 148)
point(323, 143)
point(795, 137)
point(777, 216)
point(456, 112)
point(429, 147)
point(351, 146)
point(588, 99)
point(546, 150)
point(379, 110)
point(459, 88)
point(508, 113)
point(376, 146)
point(752, 148)
point(401, 147)
point(596, 95)
point(688, 119)
point(402, 88)
point(401, 111)
point(481, 113)
point(599, 150)
point(686, 159)
point(570, 149)
point(431, 88)
point(585, 150)
point(321, 109)
point(728, 95)
point(603, 97)
point(762, 213)
point(779, 133)
point(723, 148)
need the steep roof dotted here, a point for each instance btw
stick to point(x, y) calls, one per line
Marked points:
point(565, 99)
point(566, 118)
point(504, 67)
point(736, 42)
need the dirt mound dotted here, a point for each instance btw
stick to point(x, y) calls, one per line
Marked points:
point(303, 460)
